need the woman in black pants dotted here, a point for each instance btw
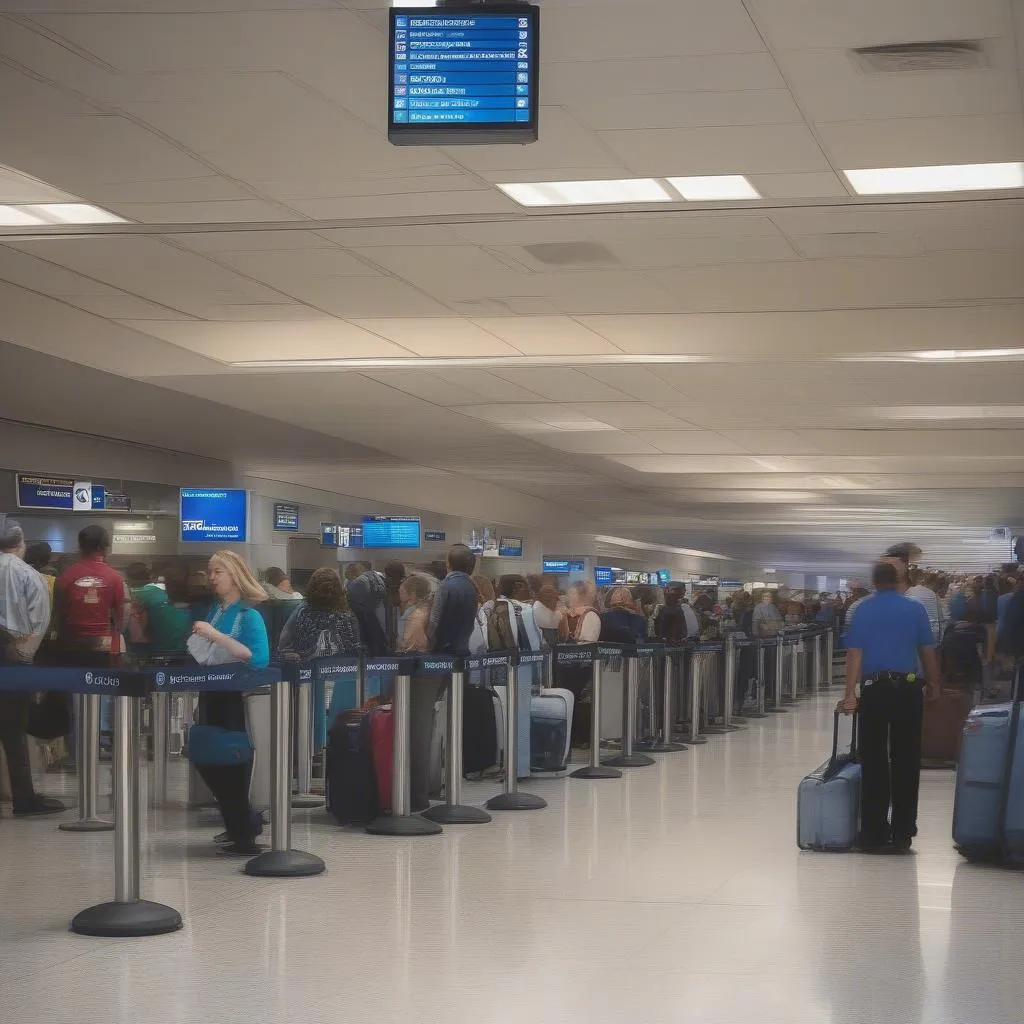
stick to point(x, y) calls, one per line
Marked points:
point(235, 632)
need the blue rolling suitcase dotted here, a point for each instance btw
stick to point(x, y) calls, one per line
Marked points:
point(828, 800)
point(988, 813)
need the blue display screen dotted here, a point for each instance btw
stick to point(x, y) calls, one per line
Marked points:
point(468, 74)
point(577, 566)
point(391, 532)
point(208, 514)
point(434, 535)
point(510, 547)
point(286, 517)
point(664, 576)
point(556, 566)
point(59, 493)
point(603, 576)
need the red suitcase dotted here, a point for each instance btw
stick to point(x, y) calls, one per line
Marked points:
point(943, 727)
point(382, 745)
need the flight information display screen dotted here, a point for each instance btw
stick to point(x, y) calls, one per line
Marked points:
point(391, 532)
point(463, 74)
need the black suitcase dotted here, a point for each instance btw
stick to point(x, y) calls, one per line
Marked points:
point(350, 782)
point(479, 729)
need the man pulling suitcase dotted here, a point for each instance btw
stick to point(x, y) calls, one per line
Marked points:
point(888, 639)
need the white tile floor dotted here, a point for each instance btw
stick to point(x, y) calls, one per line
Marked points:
point(674, 895)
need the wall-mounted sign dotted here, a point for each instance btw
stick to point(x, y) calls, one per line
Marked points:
point(59, 492)
point(434, 536)
point(664, 576)
point(391, 532)
point(334, 535)
point(604, 576)
point(218, 516)
point(556, 566)
point(511, 547)
point(707, 581)
point(577, 565)
point(286, 517)
point(115, 502)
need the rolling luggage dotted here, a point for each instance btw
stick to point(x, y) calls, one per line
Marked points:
point(350, 778)
point(382, 747)
point(828, 800)
point(482, 725)
point(550, 731)
point(988, 811)
point(942, 727)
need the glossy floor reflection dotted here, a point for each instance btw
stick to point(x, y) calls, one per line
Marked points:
point(674, 895)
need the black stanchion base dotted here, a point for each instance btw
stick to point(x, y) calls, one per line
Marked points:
point(776, 711)
point(126, 920)
point(307, 800)
point(596, 772)
point(659, 747)
point(716, 730)
point(403, 825)
point(284, 864)
point(87, 825)
point(755, 714)
point(516, 802)
point(629, 761)
point(457, 814)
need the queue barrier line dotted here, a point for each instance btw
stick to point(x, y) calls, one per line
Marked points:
point(87, 728)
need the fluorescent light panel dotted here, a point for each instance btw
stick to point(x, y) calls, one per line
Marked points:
point(39, 214)
point(878, 181)
point(714, 187)
point(587, 193)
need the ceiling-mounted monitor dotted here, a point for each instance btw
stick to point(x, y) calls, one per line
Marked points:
point(463, 73)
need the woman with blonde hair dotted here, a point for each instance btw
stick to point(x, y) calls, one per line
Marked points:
point(232, 631)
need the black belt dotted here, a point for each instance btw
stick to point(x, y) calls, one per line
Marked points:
point(894, 677)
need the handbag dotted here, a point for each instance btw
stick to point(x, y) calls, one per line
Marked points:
point(212, 746)
point(49, 716)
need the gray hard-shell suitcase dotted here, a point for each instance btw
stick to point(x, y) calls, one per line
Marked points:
point(828, 800)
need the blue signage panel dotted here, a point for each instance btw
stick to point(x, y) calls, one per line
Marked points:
point(45, 492)
point(286, 517)
point(664, 576)
point(209, 514)
point(577, 566)
point(391, 532)
point(604, 576)
point(556, 566)
point(511, 547)
point(463, 74)
point(329, 535)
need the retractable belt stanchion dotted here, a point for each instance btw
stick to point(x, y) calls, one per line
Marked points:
point(512, 799)
point(401, 821)
point(576, 656)
point(303, 795)
point(794, 669)
point(713, 650)
point(830, 653)
point(697, 665)
point(817, 662)
point(87, 725)
point(453, 811)
point(630, 758)
point(769, 648)
point(664, 745)
point(160, 712)
point(281, 861)
point(780, 673)
point(730, 719)
point(128, 915)
point(757, 654)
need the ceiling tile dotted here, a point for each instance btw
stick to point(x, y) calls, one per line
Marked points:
point(447, 338)
point(689, 442)
point(545, 335)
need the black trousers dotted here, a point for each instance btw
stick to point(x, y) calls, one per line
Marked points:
point(424, 692)
point(13, 719)
point(891, 713)
point(229, 784)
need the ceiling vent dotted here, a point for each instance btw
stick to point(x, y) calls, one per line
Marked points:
point(568, 254)
point(948, 55)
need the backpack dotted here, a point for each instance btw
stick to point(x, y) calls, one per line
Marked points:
point(500, 635)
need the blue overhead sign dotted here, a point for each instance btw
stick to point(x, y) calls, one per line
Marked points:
point(556, 566)
point(286, 517)
point(463, 74)
point(511, 547)
point(59, 492)
point(391, 532)
point(212, 515)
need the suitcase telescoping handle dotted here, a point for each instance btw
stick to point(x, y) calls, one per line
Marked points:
point(835, 736)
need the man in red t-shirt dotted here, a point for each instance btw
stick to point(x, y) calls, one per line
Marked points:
point(93, 604)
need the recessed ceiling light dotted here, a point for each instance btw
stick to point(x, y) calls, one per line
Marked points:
point(714, 187)
point(943, 178)
point(74, 213)
point(587, 193)
point(943, 354)
point(949, 412)
point(15, 217)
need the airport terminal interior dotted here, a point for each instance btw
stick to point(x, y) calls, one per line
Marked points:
point(642, 306)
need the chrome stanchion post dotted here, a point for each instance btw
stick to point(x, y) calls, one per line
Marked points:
point(780, 667)
point(629, 758)
point(87, 725)
point(794, 670)
point(757, 651)
point(453, 811)
point(819, 643)
point(596, 770)
point(128, 915)
point(512, 799)
point(729, 719)
point(696, 686)
point(401, 821)
point(718, 681)
point(665, 744)
point(304, 797)
point(161, 721)
point(830, 653)
point(281, 861)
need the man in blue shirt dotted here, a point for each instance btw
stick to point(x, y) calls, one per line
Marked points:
point(886, 641)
